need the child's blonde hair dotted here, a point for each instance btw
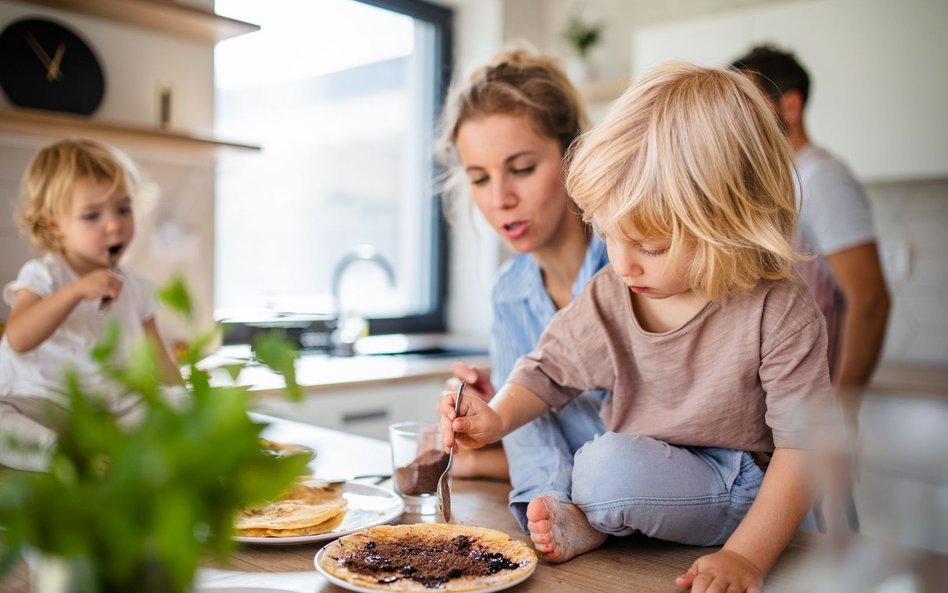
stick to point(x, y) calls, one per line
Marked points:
point(694, 153)
point(51, 177)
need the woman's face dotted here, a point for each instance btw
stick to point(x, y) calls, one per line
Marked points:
point(516, 179)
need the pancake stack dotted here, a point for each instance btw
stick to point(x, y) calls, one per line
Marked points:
point(307, 509)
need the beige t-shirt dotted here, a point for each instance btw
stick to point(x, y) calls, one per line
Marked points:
point(741, 374)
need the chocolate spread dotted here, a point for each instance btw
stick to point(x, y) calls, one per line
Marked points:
point(429, 562)
point(421, 475)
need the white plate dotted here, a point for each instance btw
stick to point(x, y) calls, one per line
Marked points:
point(368, 506)
point(318, 561)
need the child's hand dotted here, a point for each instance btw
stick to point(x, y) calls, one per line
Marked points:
point(476, 423)
point(477, 382)
point(100, 284)
point(722, 571)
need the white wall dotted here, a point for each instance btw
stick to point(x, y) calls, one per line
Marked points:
point(878, 77)
point(475, 248)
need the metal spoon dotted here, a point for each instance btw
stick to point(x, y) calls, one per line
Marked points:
point(444, 490)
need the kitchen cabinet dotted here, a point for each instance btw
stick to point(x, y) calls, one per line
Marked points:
point(121, 51)
point(878, 79)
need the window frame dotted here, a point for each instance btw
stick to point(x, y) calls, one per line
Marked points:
point(241, 330)
point(434, 321)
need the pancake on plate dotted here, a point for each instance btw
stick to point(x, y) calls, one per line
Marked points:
point(423, 557)
point(306, 509)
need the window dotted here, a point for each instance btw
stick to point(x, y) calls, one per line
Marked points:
point(343, 97)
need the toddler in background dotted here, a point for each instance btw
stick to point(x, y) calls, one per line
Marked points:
point(77, 206)
point(709, 347)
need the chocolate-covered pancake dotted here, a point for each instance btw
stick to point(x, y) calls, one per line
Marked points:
point(426, 557)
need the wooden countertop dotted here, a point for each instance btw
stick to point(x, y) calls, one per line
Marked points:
point(893, 378)
point(636, 564)
point(622, 565)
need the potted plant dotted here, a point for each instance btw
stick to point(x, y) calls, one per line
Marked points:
point(582, 37)
point(135, 508)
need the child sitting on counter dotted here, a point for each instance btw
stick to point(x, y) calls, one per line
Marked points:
point(708, 345)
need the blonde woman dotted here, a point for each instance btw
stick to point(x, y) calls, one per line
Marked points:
point(505, 131)
point(707, 344)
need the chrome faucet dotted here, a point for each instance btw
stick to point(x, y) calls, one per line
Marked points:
point(363, 252)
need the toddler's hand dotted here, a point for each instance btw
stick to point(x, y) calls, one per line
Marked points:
point(722, 571)
point(477, 382)
point(100, 284)
point(476, 424)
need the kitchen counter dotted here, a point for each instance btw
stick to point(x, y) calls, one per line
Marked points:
point(362, 394)
point(812, 562)
point(894, 378)
point(321, 373)
point(623, 564)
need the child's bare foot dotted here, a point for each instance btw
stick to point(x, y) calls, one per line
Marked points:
point(559, 530)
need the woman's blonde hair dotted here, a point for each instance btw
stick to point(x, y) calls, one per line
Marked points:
point(515, 82)
point(694, 153)
point(51, 177)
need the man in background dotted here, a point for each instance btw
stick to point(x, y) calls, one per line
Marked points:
point(846, 277)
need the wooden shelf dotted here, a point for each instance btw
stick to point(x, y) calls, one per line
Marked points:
point(603, 90)
point(62, 125)
point(158, 15)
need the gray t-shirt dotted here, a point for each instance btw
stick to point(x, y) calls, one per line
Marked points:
point(834, 211)
point(834, 215)
point(740, 374)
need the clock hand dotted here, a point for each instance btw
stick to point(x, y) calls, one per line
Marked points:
point(38, 50)
point(53, 73)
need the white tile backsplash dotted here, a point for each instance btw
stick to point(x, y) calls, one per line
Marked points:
point(916, 213)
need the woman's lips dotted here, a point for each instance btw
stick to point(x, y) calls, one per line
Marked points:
point(638, 289)
point(514, 230)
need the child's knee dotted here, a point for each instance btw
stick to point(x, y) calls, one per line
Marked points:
point(608, 467)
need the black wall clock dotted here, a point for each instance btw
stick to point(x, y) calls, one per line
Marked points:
point(44, 65)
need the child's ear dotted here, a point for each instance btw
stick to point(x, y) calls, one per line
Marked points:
point(52, 225)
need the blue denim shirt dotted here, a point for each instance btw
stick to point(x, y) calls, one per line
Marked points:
point(523, 309)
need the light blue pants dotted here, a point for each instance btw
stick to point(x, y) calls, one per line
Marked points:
point(691, 495)
point(540, 453)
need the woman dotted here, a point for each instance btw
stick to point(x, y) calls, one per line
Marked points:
point(505, 131)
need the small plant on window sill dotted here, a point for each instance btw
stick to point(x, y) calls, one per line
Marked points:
point(135, 508)
point(583, 36)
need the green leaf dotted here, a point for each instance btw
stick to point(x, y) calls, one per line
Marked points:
point(275, 351)
point(103, 351)
point(133, 505)
point(175, 296)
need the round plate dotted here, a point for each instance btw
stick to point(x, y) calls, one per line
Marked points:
point(318, 561)
point(368, 506)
